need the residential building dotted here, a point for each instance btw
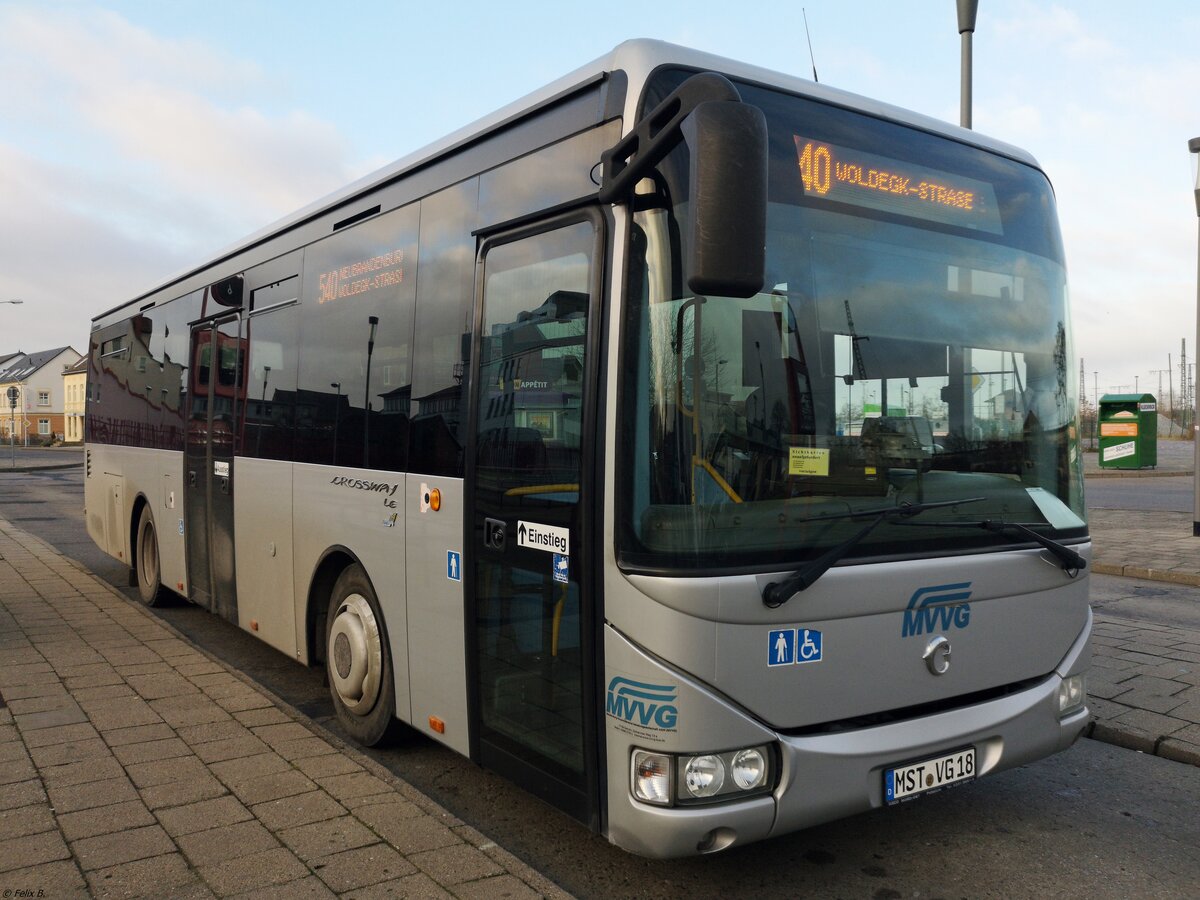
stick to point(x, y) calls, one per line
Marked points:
point(75, 400)
point(39, 414)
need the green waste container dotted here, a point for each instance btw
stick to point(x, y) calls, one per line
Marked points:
point(1128, 431)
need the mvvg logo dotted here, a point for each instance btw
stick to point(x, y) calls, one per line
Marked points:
point(938, 608)
point(648, 705)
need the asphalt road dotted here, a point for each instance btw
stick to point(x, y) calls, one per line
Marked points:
point(1096, 821)
point(1169, 493)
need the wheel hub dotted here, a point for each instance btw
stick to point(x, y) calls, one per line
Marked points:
point(356, 653)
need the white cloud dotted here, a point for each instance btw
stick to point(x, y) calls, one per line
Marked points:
point(125, 156)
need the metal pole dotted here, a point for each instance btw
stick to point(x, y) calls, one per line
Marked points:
point(967, 10)
point(1194, 147)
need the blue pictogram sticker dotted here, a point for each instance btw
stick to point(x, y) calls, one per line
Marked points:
point(453, 565)
point(808, 646)
point(781, 647)
point(561, 568)
point(794, 646)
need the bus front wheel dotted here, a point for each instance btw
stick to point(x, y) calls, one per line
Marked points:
point(147, 563)
point(357, 660)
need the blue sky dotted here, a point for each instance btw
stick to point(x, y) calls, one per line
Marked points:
point(137, 138)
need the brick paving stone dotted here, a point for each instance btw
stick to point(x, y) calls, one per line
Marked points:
point(51, 719)
point(149, 751)
point(411, 887)
point(182, 820)
point(252, 718)
point(191, 709)
point(327, 837)
point(258, 870)
point(301, 809)
point(281, 733)
point(137, 734)
point(304, 748)
point(230, 748)
point(165, 771)
point(505, 886)
point(412, 834)
point(104, 820)
point(325, 766)
point(271, 787)
point(25, 820)
point(104, 691)
point(95, 793)
point(159, 876)
point(47, 737)
point(310, 888)
point(247, 767)
point(456, 864)
point(166, 684)
point(361, 867)
point(23, 793)
point(32, 850)
point(89, 770)
point(243, 701)
point(111, 713)
point(55, 879)
point(204, 848)
point(180, 793)
point(106, 850)
point(357, 784)
point(17, 770)
point(213, 731)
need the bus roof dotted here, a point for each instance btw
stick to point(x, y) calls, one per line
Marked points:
point(637, 59)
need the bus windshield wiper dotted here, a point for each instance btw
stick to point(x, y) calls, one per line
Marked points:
point(777, 593)
point(1071, 561)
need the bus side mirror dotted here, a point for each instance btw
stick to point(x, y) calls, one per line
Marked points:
point(727, 202)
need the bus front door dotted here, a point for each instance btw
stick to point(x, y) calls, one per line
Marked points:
point(529, 599)
point(215, 399)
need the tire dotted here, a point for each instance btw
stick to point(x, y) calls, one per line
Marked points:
point(358, 663)
point(147, 562)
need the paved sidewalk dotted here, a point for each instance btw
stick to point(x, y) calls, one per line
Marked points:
point(133, 764)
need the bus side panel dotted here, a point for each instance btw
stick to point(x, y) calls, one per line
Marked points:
point(262, 528)
point(436, 629)
point(119, 475)
point(168, 521)
point(361, 512)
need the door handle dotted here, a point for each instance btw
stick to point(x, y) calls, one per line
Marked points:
point(192, 478)
point(495, 534)
point(224, 485)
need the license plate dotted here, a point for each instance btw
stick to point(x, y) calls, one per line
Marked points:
point(914, 779)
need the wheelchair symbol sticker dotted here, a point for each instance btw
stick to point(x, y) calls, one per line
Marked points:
point(787, 647)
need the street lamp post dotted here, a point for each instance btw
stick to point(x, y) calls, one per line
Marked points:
point(1194, 147)
point(337, 403)
point(967, 10)
point(373, 321)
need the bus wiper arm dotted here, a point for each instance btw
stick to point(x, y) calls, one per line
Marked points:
point(1071, 561)
point(778, 593)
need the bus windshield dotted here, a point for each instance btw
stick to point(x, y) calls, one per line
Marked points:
point(911, 345)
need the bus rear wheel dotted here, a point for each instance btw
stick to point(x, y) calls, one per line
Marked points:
point(147, 562)
point(357, 660)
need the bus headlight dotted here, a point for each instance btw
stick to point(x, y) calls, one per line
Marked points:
point(1071, 695)
point(666, 780)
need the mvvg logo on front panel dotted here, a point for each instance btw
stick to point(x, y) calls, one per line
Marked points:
point(642, 704)
point(938, 608)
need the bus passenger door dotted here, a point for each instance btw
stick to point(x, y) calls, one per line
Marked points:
point(531, 638)
point(216, 394)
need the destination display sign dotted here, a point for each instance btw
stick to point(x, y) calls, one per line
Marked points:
point(876, 182)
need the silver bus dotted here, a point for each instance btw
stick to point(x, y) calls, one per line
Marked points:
point(691, 444)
